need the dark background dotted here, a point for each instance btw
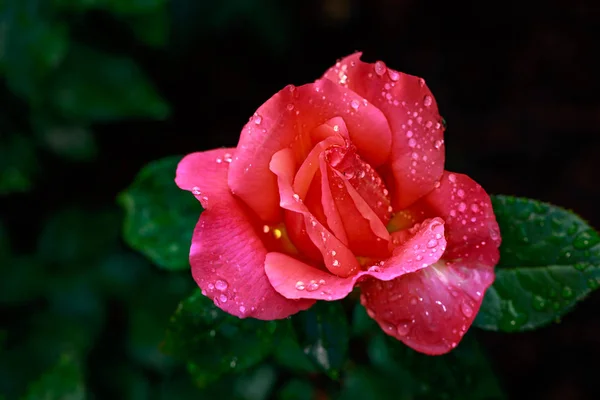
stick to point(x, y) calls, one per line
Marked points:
point(516, 81)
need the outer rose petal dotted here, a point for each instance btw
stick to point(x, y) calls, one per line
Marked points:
point(431, 309)
point(292, 113)
point(417, 157)
point(227, 256)
point(202, 174)
point(472, 231)
point(296, 280)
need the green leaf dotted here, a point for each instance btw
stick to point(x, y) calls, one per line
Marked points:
point(32, 45)
point(151, 28)
point(297, 389)
point(93, 86)
point(549, 261)
point(323, 334)
point(126, 7)
point(63, 382)
point(77, 238)
point(399, 372)
point(18, 163)
point(362, 324)
point(289, 354)
point(148, 19)
point(213, 342)
point(159, 217)
point(75, 142)
point(22, 280)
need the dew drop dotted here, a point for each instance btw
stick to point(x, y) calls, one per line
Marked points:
point(466, 310)
point(403, 329)
point(538, 303)
point(380, 68)
point(411, 142)
point(354, 104)
point(427, 101)
point(462, 207)
point(312, 286)
point(300, 285)
point(432, 243)
point(474, 207)
point(452, 178)
point(257, 119)
point(393, 75)
point(567, 292)
point(221, 285)
point(242, 309)
point(585, 240)
point(196, 191)
point(290, 107)
point(223, 298)
point(335, 263)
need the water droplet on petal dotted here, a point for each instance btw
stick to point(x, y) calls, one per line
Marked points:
point(452, 178)
point(432, 243)
point(466, 310)
point(221, 285)
point(380, 68)
point(427, 101)
point(354, 104)
point(312, 286)
point(393, 75)
point(300, 285)
point(290, 107)
point(257, 119)
point(402, 329)
point(223, 298)
point(242, 309)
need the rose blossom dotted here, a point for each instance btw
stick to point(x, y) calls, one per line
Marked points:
point(339, 183)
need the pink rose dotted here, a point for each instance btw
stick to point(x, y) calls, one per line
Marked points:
point(339, 183)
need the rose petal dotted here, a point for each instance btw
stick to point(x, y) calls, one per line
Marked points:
point(338, 258)
point(227, 259)
point(291, 115)
point(297, 280)
point(205, 174)
point(362, 229)
point(472, 231)
point(363, 178)
point(307, 186)
point(227, 256)
point(417, 157)
point(431, 309)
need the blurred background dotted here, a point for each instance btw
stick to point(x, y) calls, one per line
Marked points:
point(91, 91)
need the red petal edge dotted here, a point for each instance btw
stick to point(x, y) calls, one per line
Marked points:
point(297, 280)
point(417, 154)
point(227, 255)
